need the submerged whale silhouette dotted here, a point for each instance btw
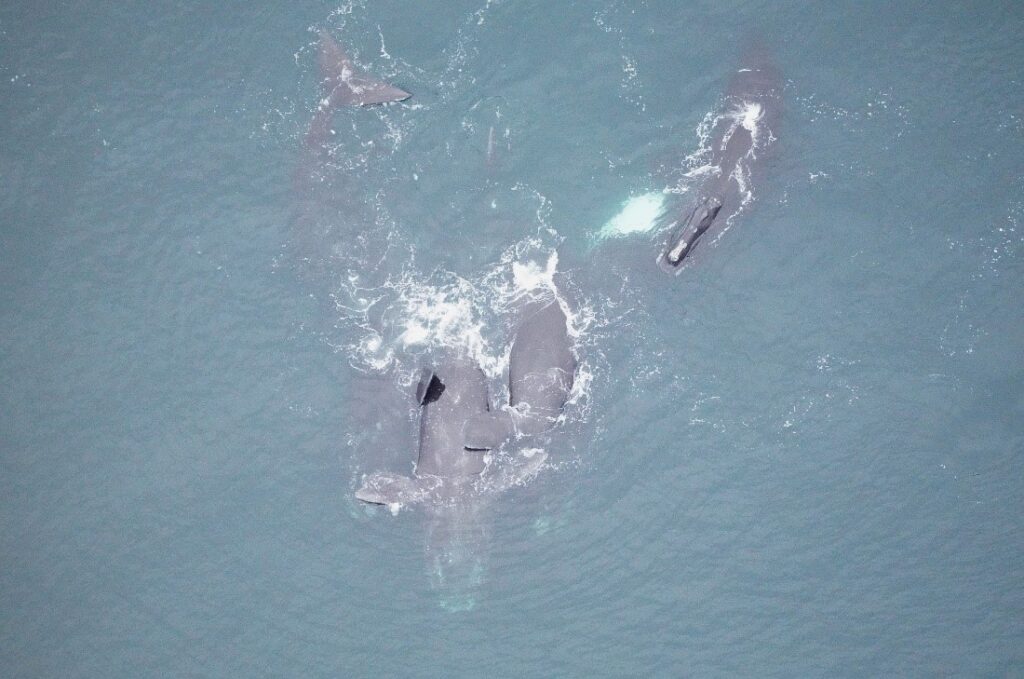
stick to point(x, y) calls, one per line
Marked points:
point(752, 102)
point(458, 426)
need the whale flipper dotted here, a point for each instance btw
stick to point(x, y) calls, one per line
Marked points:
point(429, 388)
point(347, 86)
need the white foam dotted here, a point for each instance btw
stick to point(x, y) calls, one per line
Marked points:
point(414, 334)
point(748, 115)
point(639, 214)
point(371, 348)
point(529, 276)
point(444, 315)
point(410, 316)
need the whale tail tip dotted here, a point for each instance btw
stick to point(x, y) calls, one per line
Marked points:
point(348, 87)
point(393, 490)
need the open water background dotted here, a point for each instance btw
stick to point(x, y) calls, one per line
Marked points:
point(801, 457)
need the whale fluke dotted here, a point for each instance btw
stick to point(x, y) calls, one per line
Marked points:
point(382, 488)
point(345, 85)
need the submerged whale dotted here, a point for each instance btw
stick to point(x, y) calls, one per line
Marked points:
point(334, 219)
point(738, 137)
point(459, 427)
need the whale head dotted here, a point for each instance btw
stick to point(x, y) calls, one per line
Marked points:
point(687, 232)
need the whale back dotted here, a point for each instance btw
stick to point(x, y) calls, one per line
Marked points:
point(542, 368)
point(451, 395)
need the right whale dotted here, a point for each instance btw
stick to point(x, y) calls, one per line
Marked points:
point(743, 129)
point(458, 425)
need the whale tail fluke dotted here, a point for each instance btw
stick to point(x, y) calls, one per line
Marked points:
point(343, 85)
point(394, 490)
point(346, 86)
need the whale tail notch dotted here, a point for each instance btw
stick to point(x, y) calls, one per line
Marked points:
point(345, 85)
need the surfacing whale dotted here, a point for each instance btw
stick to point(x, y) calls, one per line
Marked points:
point(740, 133)
point(458, 426)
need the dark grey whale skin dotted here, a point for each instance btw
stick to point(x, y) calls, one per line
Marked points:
point(542, 368)
point(442, 421)
point(756, 81)
point(458, 425)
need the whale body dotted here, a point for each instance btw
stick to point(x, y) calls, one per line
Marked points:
point(458, 425)
point(740, 133)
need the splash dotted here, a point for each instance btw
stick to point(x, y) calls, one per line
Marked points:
point(748, 114)
point(529, 277)
point(397, 325)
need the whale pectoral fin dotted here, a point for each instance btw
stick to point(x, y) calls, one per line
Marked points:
point(381, 488)
point(487, 431)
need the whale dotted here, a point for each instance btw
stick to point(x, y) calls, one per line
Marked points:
point(343, 84)
point(740, 134)
point(333, 221)
point(468, 444)
point(459, 426)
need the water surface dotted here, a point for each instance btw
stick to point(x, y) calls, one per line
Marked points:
point(800, 457)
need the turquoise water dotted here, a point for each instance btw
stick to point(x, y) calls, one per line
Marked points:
point(800, 457)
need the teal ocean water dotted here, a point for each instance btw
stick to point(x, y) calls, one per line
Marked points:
point(802, 456)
